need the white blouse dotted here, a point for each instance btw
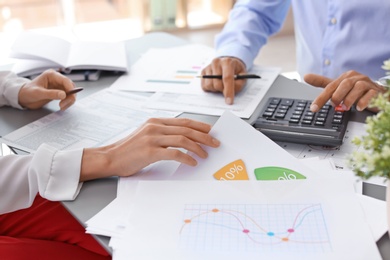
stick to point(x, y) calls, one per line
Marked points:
point(54, 174)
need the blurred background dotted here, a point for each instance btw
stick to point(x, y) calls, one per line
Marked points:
point(198, 21)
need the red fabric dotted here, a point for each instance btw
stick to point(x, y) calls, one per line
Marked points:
point(46, 230)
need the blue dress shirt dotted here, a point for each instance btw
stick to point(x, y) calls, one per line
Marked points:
point(333, 36)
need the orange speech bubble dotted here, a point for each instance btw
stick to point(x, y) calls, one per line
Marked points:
point(234, 171)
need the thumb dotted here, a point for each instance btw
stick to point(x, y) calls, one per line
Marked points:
point(52, 94)
point(317, 80)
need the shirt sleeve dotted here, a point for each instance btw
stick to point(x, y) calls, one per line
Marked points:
point(10, 85)
point(250, 24)
point(54, 174)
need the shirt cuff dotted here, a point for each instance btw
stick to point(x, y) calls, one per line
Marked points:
point(238, 51)
point(60, 179)
point(13, 85)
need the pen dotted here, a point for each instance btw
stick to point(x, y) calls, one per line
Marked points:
point(74, 91)
point(239, 76)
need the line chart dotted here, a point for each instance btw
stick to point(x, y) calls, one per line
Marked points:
point(267, 228)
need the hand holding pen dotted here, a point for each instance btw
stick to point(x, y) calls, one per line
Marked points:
point(237, 76)
point(233, 79)
point(49, 85)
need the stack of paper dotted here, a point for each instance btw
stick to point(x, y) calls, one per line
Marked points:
point(274, 205)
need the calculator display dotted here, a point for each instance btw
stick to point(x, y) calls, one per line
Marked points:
point(291, 120)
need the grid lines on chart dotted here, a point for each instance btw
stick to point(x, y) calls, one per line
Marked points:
point(268, 228)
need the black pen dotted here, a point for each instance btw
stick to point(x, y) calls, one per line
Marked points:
point(74, 91)
point(238, 76)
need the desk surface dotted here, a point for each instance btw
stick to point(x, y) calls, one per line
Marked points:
point(95, 195)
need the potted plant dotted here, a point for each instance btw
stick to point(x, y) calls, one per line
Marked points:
point(375, 159)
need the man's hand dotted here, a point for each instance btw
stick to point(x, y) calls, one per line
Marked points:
point(350, 88)
point(227, 67)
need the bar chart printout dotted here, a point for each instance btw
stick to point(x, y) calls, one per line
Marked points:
point(257, 228)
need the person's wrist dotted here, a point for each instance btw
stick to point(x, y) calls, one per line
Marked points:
point(21, 96)
point(95, 164)
point(236, 58)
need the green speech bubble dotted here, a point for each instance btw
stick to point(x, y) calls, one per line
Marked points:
point(273, 173)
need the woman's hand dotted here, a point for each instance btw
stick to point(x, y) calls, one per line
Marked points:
point(156, 140)
point(48, 86)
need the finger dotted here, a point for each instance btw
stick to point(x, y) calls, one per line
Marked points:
point(66, 103)
point(320, 101)
point(207, 84)
point(49, 94)
point(358, 90)
point(56, 80)
point(186, 122)
point(326, 94)
point(364, 101)
point(346, 93)
point(177, 155)
point(217, 70)
point(317, 80)
point(179, 141)
point(185, 132)
point(228, 82)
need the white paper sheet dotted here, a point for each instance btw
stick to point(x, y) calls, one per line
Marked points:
point(98, 119)
point(245, 102)
point(247, 220)
point(168, 70)
point(245, 152)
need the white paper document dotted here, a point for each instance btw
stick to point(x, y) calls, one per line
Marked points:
point(98, 119)
point(247, 220)
point(245, 102)
point(244, 154)
point(173, 70)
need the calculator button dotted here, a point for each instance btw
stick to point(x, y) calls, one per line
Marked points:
point(297, 112)
point(338, 116)
point(320, 119)
point(309, 113)
point(322, 115)
point(337, 121)
point(284, 111)
point(301, 104)
point(287, 102)
point(319, 123)
point(296, 116)
point(284, 107)
point(294, 121)
point(270, 109)
point(306, 122)
point(275, 101)
point(272, 106)
point(324, 111)
point(308, 118)
point(280, 115)
point(267, 114)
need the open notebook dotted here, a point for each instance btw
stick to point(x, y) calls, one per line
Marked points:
point(35, 53)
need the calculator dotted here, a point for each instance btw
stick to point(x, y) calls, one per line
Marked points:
point(290, 120)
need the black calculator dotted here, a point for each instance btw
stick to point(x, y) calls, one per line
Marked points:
point(290, 120)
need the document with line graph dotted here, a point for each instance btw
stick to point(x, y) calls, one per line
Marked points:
point(315, 219)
